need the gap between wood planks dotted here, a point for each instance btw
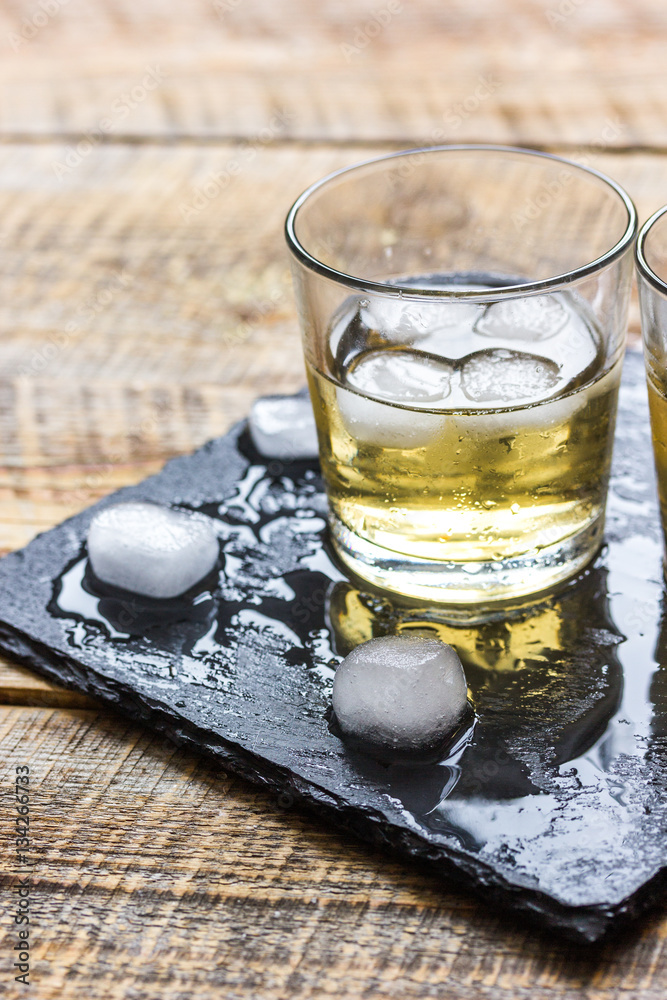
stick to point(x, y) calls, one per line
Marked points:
point(408, 142)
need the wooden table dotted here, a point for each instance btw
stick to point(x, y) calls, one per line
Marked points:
point(148, 154)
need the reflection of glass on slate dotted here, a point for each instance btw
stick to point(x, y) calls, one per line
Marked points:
point(546, 679)
point(658, 688)
point(554, 803)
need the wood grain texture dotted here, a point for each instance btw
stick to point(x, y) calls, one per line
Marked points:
point(167, 298)
point(159, 875)
point(533, 71)
point(144, 302)
point(132, 330)
point(20, 686)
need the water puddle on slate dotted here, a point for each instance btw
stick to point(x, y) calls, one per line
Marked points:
point(553, 712)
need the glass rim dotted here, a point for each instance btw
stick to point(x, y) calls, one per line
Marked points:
point(506, 291)
point(643, 266)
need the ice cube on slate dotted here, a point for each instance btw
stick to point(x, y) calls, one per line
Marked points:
point(499, 377)
point(151, 550)
point(409, 378)
point(399, 692)
point(533, 319)
point(284, 427)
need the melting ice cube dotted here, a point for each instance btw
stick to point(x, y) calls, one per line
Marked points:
point(284, 427)
point(559, 408)
point(151, 550)
point(409, 378)
point(555, 324)
point(382, 321)
point(534, 318)
point(557, 330)
point(403, 693)
point(403, 320)
point(499, 377)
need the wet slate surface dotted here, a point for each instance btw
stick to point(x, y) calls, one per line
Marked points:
point(555, 804)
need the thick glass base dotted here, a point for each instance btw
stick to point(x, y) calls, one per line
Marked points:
point(467, 583)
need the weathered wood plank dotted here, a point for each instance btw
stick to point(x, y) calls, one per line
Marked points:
point(133, 326)
point(108, 369)
point(20, 686)
point(537, 71)
point(155, 370)
point(157, 874)
point(185, 293)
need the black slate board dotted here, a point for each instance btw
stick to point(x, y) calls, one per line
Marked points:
point(556, 803)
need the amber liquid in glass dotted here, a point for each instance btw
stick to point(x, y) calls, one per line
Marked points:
point(465, 487)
